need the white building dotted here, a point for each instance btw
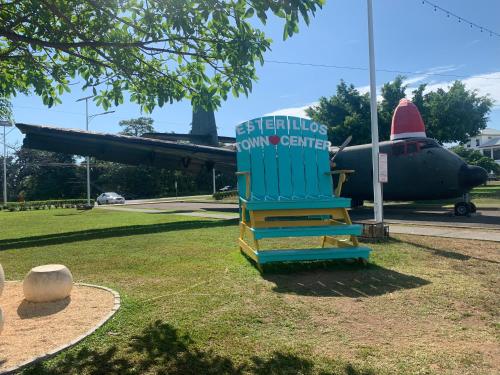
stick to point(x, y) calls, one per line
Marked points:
point(488, 143)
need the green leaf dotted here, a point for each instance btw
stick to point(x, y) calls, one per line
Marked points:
point(226, 33)
point(249, 13)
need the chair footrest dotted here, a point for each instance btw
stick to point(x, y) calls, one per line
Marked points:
point(325, 230)
point(268, 256)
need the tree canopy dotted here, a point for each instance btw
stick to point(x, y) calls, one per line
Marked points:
point(40, 175)
point(160, 51)
point(345, 113)
point(450, 115)
point(5, 110)
point(137, 126)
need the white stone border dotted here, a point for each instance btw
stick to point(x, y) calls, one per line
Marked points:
point(116, 306)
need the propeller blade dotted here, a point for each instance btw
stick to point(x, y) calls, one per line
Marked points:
point(342, 146)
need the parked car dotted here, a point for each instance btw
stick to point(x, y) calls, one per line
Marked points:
point(226, 188)
point(110, 198)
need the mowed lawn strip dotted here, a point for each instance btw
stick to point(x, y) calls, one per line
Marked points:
point(193, 305)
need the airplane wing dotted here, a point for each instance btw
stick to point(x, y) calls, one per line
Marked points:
point(128, 150)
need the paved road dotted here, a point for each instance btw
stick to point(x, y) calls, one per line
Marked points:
point(485, 225)
point(484, 218)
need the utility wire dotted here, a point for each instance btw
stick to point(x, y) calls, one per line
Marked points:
point(347, 67)
point(460, 19)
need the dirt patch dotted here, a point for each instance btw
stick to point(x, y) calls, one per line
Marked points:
point(33, 329)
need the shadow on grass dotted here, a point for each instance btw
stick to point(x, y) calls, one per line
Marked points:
point(161, 350)
point(71, 213)
point(103, 233)
point(222, 209)
point(191, 211)
point(344, 280)
point(444, 253)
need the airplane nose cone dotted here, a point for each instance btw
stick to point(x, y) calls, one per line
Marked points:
point(470, 176)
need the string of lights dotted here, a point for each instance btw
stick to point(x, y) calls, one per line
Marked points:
point(460, 19)
point(348, 67)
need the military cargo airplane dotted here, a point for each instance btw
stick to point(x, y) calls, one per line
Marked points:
point(419, 168)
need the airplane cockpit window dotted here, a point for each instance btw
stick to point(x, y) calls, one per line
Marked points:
point(411, 147)
point(428, 143)
point(398, 149)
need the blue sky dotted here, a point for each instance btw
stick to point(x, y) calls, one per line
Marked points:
point(409, 36)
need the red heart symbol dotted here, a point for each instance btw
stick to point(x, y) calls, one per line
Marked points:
point(274, 139)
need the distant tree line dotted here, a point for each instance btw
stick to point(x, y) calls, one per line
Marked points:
point(450, 116)
point(43, 175)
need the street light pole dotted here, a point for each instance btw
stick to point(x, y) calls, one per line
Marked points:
point(4, 168)
point(5, 123)
point(213, 179)
point(87, 120)
point(377, 188)
point(88, 157)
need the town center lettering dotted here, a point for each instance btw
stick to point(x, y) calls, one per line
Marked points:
point(258, 126)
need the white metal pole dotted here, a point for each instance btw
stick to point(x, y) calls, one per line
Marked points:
point(213, 178)
point(377, 190)
point(4, 168)
point(88, 157)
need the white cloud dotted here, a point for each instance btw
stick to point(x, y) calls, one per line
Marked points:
point(292, 111)
point(485, 84)
point(442, 69)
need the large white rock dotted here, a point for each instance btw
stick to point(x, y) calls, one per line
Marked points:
point(2, 280)
point(48, 283)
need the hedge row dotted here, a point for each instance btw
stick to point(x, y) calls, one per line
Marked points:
point(44, 205)
point(225, 194)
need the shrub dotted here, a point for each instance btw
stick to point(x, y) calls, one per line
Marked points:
point(225, 194)
point(43, 205)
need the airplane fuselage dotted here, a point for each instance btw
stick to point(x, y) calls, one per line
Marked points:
point(418, 169)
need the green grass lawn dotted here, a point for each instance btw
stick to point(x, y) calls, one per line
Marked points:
point(191, 304)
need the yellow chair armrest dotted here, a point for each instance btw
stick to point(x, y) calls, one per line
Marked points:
point(340, 171)
point(342, 178)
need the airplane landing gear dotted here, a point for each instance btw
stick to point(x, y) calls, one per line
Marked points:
point(462, 209)
point(466, 207)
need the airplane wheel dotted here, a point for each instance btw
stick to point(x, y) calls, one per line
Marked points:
point(462, 209)
point(472, 208)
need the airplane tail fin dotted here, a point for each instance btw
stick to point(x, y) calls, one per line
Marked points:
point(407, 122)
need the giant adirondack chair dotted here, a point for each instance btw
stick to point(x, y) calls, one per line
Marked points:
point(286, 190)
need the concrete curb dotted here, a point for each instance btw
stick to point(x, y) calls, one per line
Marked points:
point(52, 353)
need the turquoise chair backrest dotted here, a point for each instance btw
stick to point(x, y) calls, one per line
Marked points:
point(287, 158)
